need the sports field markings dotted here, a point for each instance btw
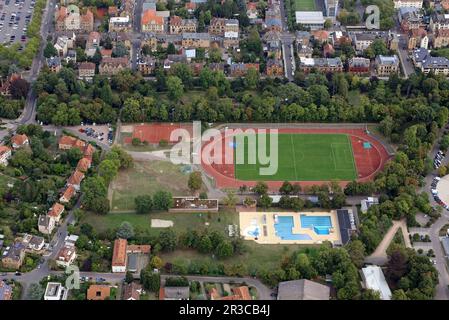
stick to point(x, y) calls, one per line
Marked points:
point(294, 157)
point(353, 157)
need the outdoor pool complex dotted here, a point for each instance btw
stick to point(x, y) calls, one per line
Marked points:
point(319, 224)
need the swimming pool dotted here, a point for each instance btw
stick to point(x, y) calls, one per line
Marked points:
point(319, 224)
point(284, 229)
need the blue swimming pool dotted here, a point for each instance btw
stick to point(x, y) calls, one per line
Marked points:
point(284, 229)
point(319, 224)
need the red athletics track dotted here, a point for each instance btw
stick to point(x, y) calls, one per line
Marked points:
point(155, 132)
point(368, 161)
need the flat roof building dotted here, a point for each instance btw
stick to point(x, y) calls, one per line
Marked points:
point(311, 19)
point(374, 279)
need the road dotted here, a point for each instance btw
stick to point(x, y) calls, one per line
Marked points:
point(442, 291)
point(379, 256)
point(287, 40)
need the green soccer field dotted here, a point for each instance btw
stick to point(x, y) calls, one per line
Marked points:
point(304, 5)
point(302, 157)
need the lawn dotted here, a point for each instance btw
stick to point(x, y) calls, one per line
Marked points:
point(304, 5)
point(146, 178)
point(302, 157)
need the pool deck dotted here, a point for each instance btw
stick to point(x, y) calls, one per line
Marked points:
point(251, 219)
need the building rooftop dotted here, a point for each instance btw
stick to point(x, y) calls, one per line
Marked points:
point(302, 290)
point(374, 279)
point(119, 253)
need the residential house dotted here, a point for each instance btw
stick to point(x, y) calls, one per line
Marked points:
point(71, 56)
point(5, 155)
point(150, 40)
point(106, 53)
point(113, 11)
point(217, 26)
point(132, 291)
point(174, 293)
point(55, 291)
point(302, 37)
point(374, 279)
point(365, 204)
point(273, 18)
point(13, 258)
point(68, 142)
point(272, 40)
point(239, 293)
point(92, 43)
point(146, 65)
point(436, 65)
point(195, 40)
point(86, 71)
point(359, 65)
point(33, 243)
point(75, 180)
point(67, 195)
point(320, 36)
point(302, 290)
point(87, 21)
point(441, 38)
point(304, 51)
point(98, 292)
point(419, 55)
point(112, 66)
point(275, 68)
point(6, 291)
point(56, 211)
point(418, 38)
point(67, 18)
point(46, 224)
point(120, 24)
point(119, 257)
point(328, 50)
point(240, 69)
point(84, 164)
point(231, 33)
point(323, 65)
point(408, 3)
point(190, 7)
point(5, 85)
point(66, 256)
point(386, 65)
point(62, 45)
point(438, 21)
point(151, 22)
point(362, 40)
point(19, 140)
point(410, 18)
point(251, 10)
point(54, 64)
point(88, 151)
point(179, 25)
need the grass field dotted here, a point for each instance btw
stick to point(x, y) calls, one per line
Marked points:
point(146, 178)
point(304, 5)
point(304, 157)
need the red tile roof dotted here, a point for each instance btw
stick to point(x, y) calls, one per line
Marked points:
point(119, 253)
point(98, 292)
point(150, 17)
point(76, 178)
point(83, 164)
point(4, 149)
point(19, 139)
point(139, 248)
point(56, 210)
point(68, 193)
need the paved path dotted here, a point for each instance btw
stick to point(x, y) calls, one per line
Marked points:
point(379, 256)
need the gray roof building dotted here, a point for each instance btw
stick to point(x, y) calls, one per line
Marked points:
point(176, 293)
point(302, 290)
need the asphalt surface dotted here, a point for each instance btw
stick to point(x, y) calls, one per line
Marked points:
point(15, 16)
point(287, 40)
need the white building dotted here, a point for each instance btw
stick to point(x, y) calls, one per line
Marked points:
point(374, 279)
point(365, 204)
point(55, 291)
point(408, 3)
point(311, 19)
point(5, 154)
point(66, 256)
point(331, 8)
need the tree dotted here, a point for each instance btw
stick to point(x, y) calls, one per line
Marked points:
point(120, 50)
point(370, 294)
point(286, 188)
point(195, 181)
point(129, 277)
point(108, 169)
point(35, 292)
point(224, 249)
point(356, 250)
point(175, 88)
point(156, 262)
point(168, 240)
point(150, 280)
point(162, 200)
point(265, 201)
point(19, 88)
point(444, 143)
point(252, 78)
point(230, 200)
point(205, 244)
point(50, 50)
point(125, 231)
point(261, 188)
point(143, 203)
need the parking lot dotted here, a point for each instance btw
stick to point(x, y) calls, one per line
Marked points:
point(15, 16)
